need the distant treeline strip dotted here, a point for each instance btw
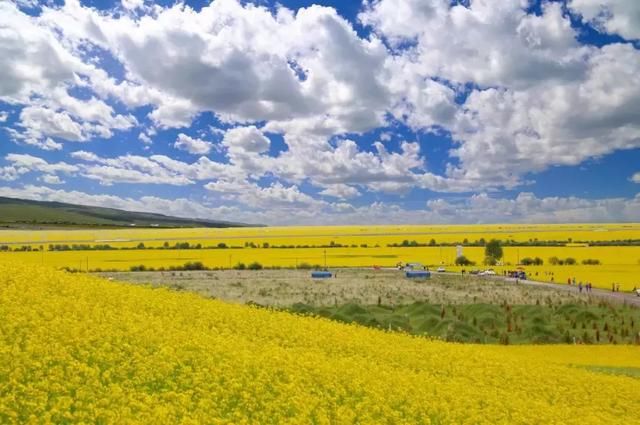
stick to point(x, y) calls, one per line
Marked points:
point(404, 244)
point(192, 266)
point(510, 242)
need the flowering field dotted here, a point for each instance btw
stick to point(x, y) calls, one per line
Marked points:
point(75, 348)
point(322, 235)
point(619, 264)
point(359, 246)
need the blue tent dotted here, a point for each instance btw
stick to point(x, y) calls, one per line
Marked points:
point(320, 275)
point(418, 274)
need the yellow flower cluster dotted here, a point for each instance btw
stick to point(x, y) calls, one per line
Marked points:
point(75, 348)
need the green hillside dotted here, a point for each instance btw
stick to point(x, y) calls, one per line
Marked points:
point(16, 213)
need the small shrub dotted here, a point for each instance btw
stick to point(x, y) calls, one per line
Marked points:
point(196, 265)
point(464, 261)
point(139, 268)
point(591, 262)
point(254, 266)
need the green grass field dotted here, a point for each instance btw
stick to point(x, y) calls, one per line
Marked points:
point(489, 323)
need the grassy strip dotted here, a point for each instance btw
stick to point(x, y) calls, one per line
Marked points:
point(633, 372)
point(496, 324)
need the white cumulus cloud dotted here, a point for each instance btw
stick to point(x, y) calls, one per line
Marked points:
point(192, 145)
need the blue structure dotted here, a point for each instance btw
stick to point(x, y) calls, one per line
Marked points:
point(321, 275)
point(418, 274)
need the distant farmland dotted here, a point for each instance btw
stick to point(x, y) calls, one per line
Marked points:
point(615, 248)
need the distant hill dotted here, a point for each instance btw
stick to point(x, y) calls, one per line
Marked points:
point(16, 213)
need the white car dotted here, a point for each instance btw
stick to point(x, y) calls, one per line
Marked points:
point(441, 270)
point(489, 272)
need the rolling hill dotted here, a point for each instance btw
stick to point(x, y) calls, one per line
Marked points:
point(16, 213)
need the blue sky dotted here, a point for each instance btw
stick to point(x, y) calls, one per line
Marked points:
point(303, 112)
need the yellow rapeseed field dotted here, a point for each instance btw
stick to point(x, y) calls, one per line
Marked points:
point(367, 246)
point(323, 235)
point(75, 348)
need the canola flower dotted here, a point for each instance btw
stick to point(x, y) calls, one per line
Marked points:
point(75, 348)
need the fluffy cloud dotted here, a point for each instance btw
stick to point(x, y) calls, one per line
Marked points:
point(478, 209)
point(194, 146)
point(32, 59)
point(38, 70)
point(340, 191)
point(155, 169)
point(274, 196)
point(486, 43)
point(243, 62)
point(526, 207)
point(32, 163)
point(11, 173)
point(51, 179)
point(530, 73)
point(144, 138)
point(517, 92)
point(245, 140)
point(507, 133)
point(635, 178)
point(612, 16)
point(107, 171)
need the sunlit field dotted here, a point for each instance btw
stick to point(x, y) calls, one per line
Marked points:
point(323, 235)
point(75, 348)
point(360, 246)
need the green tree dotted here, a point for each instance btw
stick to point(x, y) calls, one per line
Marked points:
point(493, 249)
point(490, 261)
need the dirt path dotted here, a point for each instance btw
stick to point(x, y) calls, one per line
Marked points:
point(621, 297)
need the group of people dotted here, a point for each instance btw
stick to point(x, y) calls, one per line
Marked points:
point(588, 287)
point(515, 274)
